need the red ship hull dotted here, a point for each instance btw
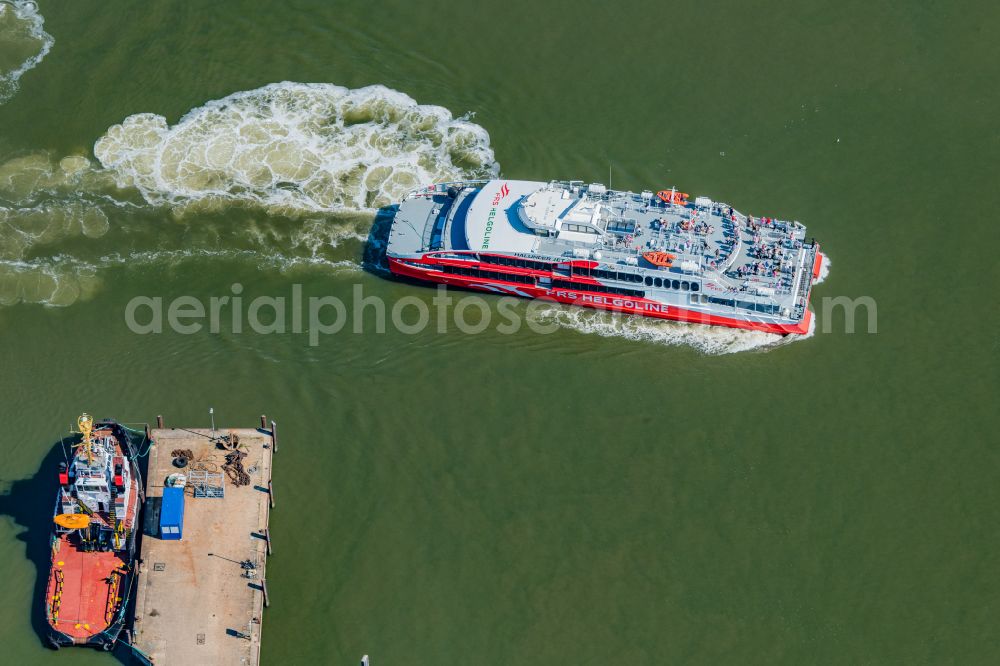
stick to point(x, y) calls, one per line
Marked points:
point(645, 307)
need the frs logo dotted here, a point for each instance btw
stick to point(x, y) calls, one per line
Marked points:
point(501, 193)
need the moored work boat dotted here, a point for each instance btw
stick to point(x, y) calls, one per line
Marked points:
point(657, 255)
point(93, 538)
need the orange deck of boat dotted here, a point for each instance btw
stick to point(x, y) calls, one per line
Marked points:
point(83, 600)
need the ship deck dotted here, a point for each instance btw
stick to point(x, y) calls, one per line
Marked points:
point(195, 605)
point(752, 261)
point(82, 589)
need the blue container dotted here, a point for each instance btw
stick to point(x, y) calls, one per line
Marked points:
point(172, 513)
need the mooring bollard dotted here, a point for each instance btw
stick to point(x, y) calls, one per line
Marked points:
point(263, 422)
point(159, 422)
point(270, 492)
point(274, 436)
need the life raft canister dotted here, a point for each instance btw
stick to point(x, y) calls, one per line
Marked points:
point(663, 259)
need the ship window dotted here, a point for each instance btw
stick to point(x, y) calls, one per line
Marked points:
point(649, 281)
point(685, 286)
point(658, 282)
point(675, 284)
point(695, 286)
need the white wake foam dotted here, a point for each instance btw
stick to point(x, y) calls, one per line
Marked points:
point(23, 43)
point(824, 268)
point(56, 281)
point(307, 151)
point(296, 147)
point(711, 340)
point(62, 280)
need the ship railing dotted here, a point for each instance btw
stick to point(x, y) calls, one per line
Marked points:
point(439, 188)
point(737, 247)
point(805, 283)
point(425, 237)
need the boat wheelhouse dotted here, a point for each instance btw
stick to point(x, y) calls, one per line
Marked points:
point(657, 255)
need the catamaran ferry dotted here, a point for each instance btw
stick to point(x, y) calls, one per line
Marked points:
point(658, 255)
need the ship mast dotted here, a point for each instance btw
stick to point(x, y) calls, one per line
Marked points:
point(86, 425)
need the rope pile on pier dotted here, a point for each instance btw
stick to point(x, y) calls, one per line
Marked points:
point(234, 468)
point(186, 454)
point(229, 442)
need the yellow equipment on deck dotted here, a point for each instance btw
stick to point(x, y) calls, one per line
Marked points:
point(86, 425)
point(72, 521)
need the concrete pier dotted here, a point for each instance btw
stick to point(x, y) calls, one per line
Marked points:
point(200, 599)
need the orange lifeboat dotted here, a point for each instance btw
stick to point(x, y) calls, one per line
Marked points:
point(673, 197)
point(662, 259)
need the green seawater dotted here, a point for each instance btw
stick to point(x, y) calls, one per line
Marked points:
point(607, 492)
